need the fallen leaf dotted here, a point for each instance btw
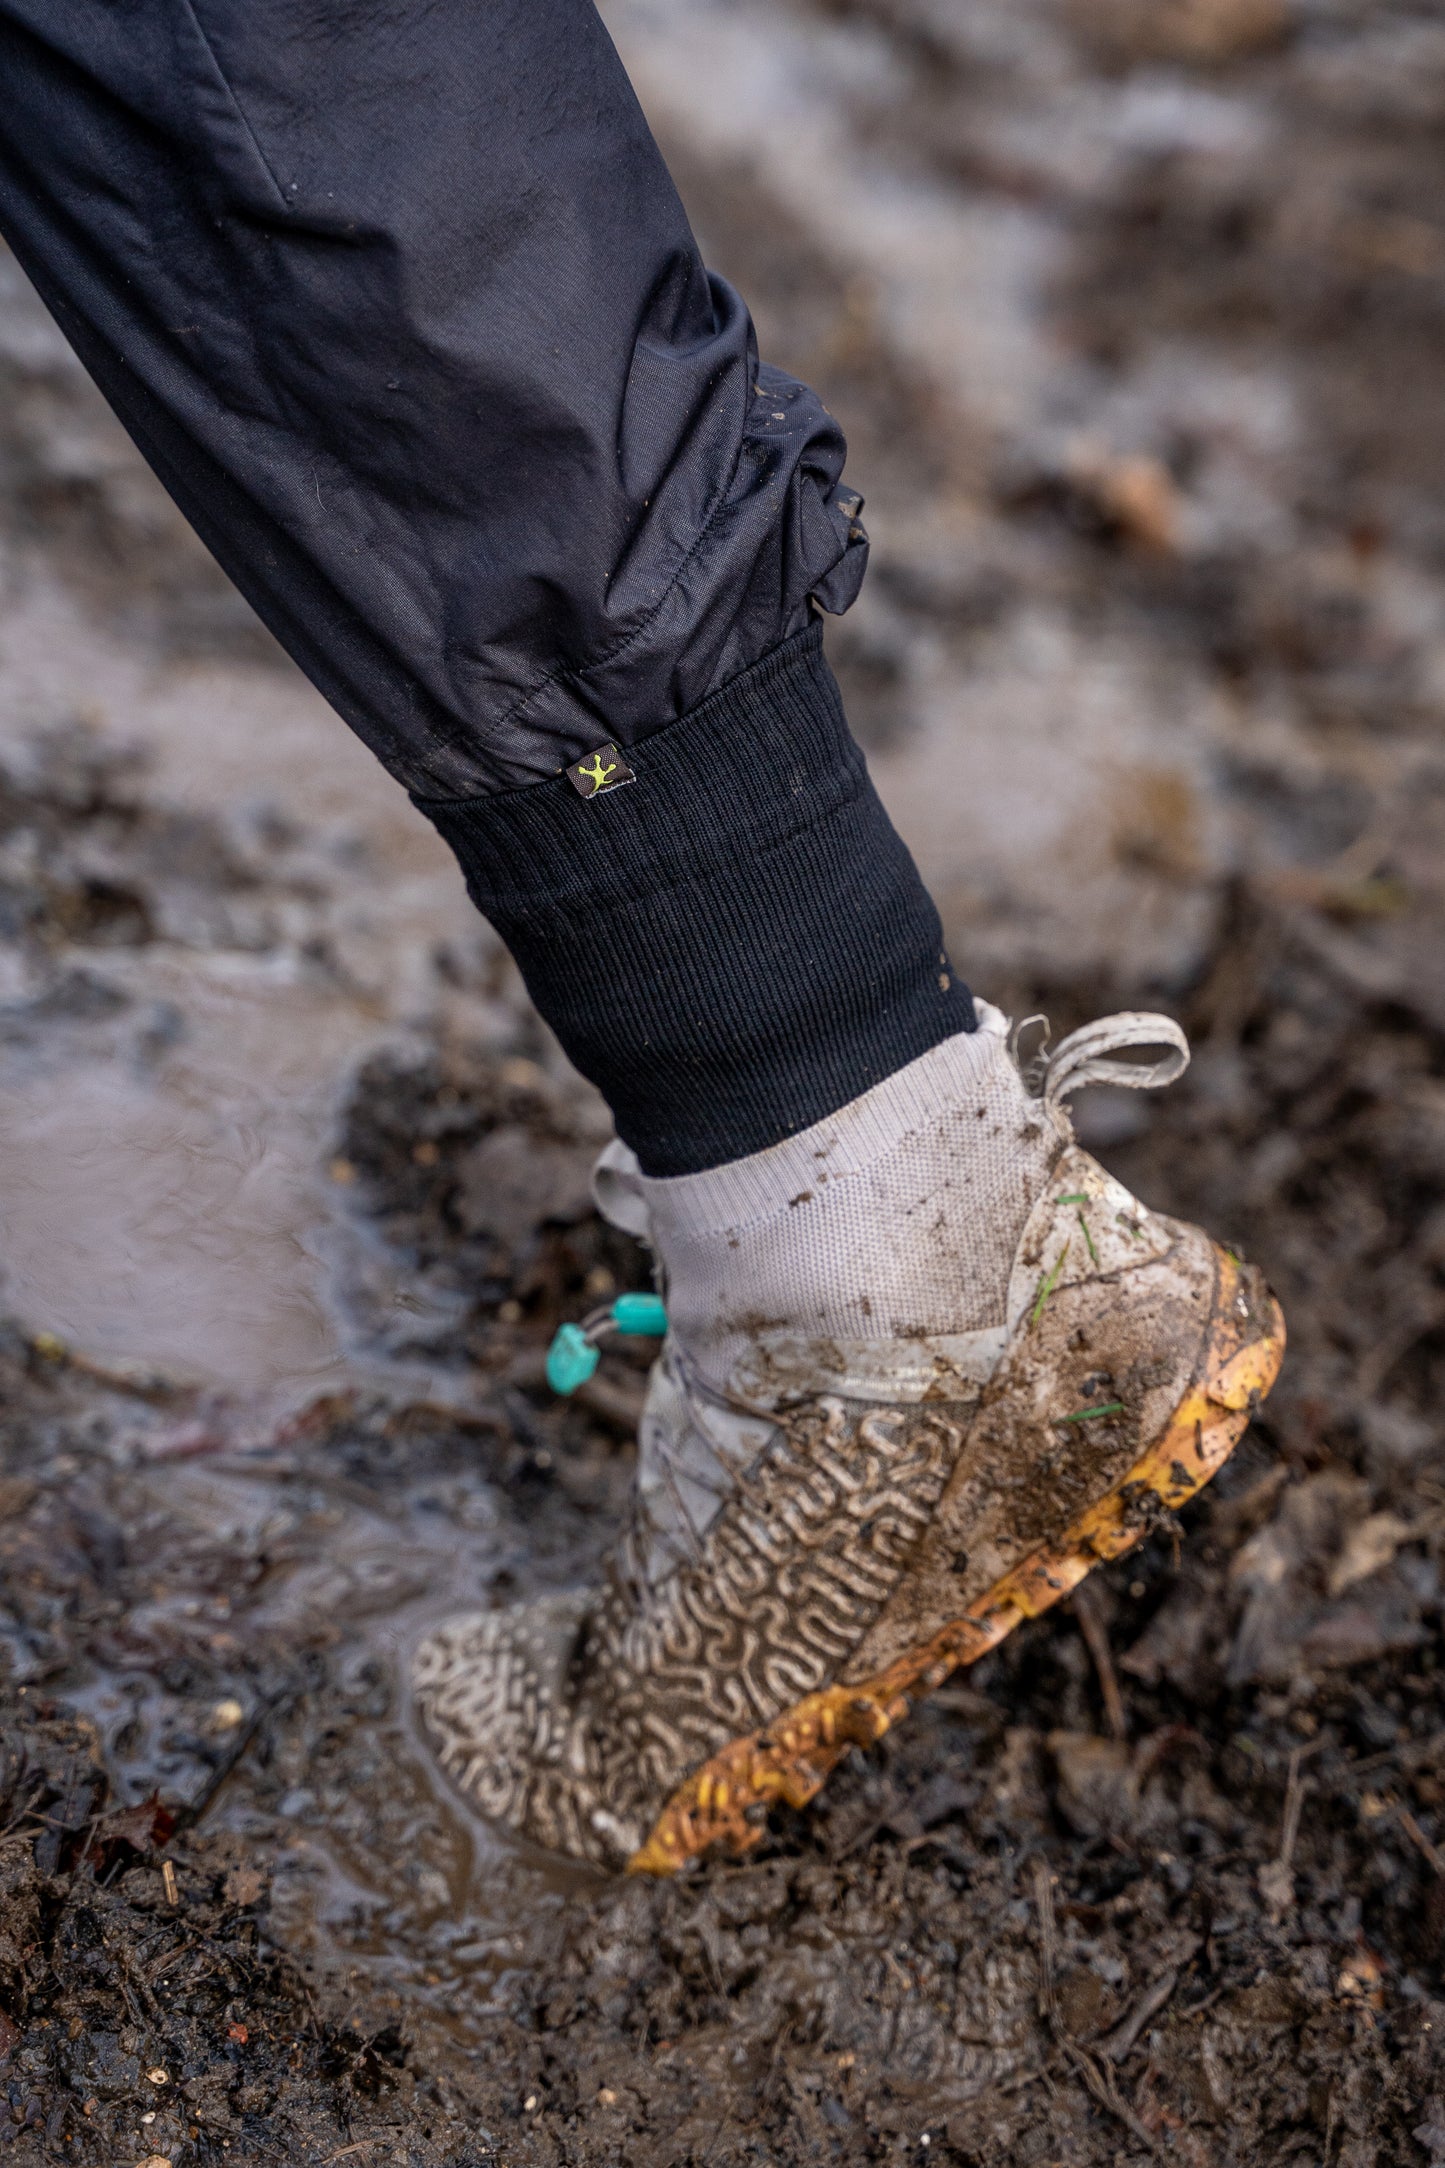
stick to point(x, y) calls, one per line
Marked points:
point(1371, 1544)
point(1098, 1782)
point(142, 1828)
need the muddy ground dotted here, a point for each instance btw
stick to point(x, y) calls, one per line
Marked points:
point(296, 1193)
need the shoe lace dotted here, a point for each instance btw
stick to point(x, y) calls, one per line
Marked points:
point(1086, 1055)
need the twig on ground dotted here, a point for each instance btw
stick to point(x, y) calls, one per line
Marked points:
point(1100, 2082)
point(1096, 1640)
point(1276, 1876)
point(170, 1957)
point(1022, 2079)
point(617, 1405)
point(1117, 2044)
point(1294, 1793)
point(189, 1816)
point(24, 1813)
point(1421, 1842)
point(1207, 2002)
point(134, 1380)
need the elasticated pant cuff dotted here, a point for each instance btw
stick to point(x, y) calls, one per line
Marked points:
point(733, 946)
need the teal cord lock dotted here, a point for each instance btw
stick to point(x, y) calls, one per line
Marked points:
point(575, 1354)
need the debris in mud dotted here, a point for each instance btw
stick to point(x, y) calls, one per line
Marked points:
point(1212, 1804)
point(88, 861)
point(478, 1173)
point(1128, 498)
point(137, 2022)
point(1250, 1925)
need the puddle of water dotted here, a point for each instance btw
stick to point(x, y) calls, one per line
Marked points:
point(377, 1862)
point(168, 1202)
point(175, 1219)
point(164, 1169)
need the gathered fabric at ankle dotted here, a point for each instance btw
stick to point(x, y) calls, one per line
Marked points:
point(736, 943)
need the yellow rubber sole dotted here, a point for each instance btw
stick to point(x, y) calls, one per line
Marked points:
point(725, 1803)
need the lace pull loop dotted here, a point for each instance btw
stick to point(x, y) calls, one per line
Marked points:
point(1084, 1057)
point(1032, 1061)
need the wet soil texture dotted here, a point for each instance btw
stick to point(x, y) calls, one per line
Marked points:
point(1134, 314)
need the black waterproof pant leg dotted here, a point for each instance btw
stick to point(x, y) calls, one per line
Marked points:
point(400, 303)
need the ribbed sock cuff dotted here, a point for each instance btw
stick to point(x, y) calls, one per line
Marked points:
point(733, 946)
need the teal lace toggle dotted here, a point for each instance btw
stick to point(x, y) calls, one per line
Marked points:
point(640, 1313)
point(573, 1356)
point(571, 1359)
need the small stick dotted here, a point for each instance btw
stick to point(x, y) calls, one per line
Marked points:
point(1418, 1838)
point(1294, 1793)
point(1096, 1640)
point(1276, 1877)
point(188, 1815)
point(169, 1958)
point(1119, 2042)
point(1099, 2082)
point(618, 1405)
point(168, 1877)
point(1206, 2002)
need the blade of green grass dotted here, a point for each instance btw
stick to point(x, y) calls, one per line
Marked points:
point(1047, 1286)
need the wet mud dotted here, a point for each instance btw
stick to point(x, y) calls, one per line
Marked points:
point(1163, 1877)
point(1156, 1880)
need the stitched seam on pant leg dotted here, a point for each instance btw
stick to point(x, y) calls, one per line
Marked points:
point(236, 106)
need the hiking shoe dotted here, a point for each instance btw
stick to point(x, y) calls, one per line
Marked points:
point(926, 1365)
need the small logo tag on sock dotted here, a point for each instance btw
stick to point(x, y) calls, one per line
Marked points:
point(601, 771)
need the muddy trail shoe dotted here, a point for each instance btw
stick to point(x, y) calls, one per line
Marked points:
point(927, 1363)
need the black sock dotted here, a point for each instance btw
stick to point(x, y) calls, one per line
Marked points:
point(737, 943)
